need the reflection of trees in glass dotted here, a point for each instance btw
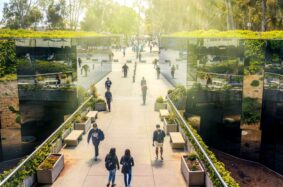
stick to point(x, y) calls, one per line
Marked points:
point(230, 66)
point(7, 57)
point(24, 67)
point(251, 111)
point(254, 67)
point(254, 49)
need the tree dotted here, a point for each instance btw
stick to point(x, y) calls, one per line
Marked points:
point(21, 14)
point(55, 15)
point(111, 17)
point(75, 8)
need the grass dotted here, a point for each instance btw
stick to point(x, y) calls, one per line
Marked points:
point(240, 34)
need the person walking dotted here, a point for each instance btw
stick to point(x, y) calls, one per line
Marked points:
point(173, 72)
point(108, 96)
point(108, 84)
point(125, 70)
point(80, 62)
point(58, 78)
point(124, 51)
point(144, 92)
point(158, 139)
point(97, 136)
point(158, 71)
point(143, 81)
point(154, 63)
point(112, 164)
point(140, 56)
point(127, 162)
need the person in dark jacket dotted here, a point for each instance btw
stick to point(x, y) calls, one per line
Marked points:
point(125, 70)
point(144, 92)
point(127, 162)
point(158, 71)
point(108, 96)
point(112, 164)
point(108, 83)
point(97, 136)
point(158, 139)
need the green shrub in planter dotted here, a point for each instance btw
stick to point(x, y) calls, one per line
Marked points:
point(255, 83)
point(160, 99)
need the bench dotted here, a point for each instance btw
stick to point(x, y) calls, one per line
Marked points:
point(93, 115)
point(177, 141)
point(73, 138)
point(163, 113)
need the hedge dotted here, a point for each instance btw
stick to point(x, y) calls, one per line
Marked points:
point(240, 34)
point(7, 33)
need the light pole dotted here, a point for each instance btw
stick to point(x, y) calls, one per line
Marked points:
point(138, 31)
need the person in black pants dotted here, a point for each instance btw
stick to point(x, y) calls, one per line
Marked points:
point(97, 136)
point(108, 96)
point(127, 163)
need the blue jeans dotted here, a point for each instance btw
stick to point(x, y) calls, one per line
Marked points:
point(129, 177)
point(112, 175)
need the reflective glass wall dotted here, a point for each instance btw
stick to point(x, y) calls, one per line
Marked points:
point(41, 82)
point(173, 60)
point(235, 95)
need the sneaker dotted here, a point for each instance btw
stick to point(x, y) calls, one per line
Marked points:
point(108, 184)
point(113, 185)
point(95, 158)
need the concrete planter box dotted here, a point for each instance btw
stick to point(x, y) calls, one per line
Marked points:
point(158, 106)
point(100, 106)
point(28, 182)
point(48, 176)
point(193, 178)
point(170, 127)
point(85, 126)
point(56, 146)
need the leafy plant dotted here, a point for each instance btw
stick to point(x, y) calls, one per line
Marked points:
point(49, 162)
point(160, 99)
point(192, 156)
point(99, 100)
point(171, 118)
point(255, 83)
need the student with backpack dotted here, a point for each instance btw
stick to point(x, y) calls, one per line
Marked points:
point(127, 163)
point(158, 139)
point(97, 136)
point(111, 164)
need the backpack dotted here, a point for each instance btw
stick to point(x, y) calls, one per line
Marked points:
point(109, 163)
point(126, 165)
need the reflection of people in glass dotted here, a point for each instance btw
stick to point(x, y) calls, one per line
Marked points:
point(51, 57)
point(125, 70)
point(80, 62)
point(208, 81)
point(154, 63)
point(158, 71)
point(58, 78)
point(28, 57)
point(85, 68)
point(173, 71)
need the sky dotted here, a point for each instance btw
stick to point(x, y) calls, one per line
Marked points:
point(1, 7)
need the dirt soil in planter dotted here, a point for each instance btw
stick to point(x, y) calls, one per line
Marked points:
point(249, 174)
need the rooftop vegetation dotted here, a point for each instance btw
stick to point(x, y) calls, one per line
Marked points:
point(241, 34)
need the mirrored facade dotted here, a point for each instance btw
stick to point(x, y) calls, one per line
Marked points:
point(234, 97)
point(40, 81)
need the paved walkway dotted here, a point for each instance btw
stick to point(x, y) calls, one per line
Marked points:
point(129, 125)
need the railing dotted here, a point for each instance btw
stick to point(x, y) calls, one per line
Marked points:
point(46, 142)
point(197, 142)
